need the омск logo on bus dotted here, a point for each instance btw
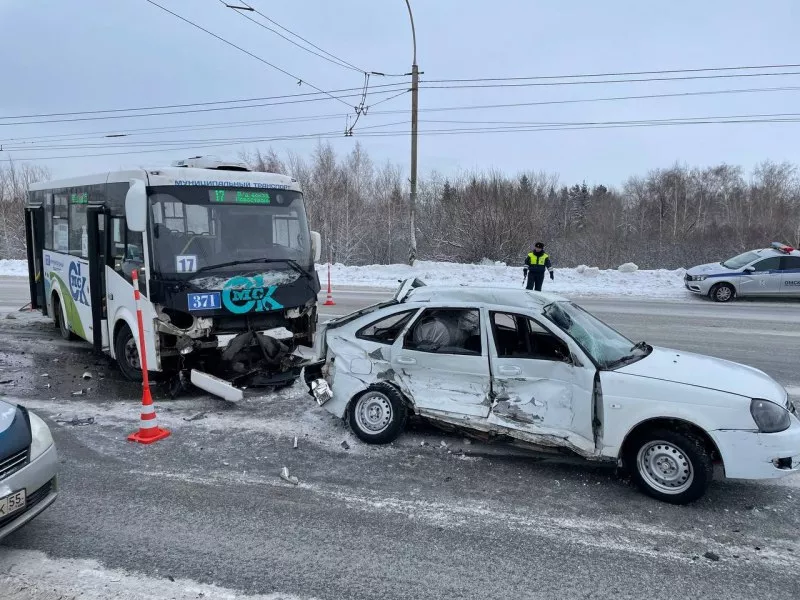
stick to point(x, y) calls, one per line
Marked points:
point(77, 283)
point(249, 294)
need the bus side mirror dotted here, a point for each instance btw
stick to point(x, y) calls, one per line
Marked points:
point(316, 245)
point(136, 206)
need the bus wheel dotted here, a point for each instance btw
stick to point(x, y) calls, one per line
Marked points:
point(127, 354)
point(60, 317)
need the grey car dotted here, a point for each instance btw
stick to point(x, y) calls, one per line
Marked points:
point(28, 462)
point(767, 272)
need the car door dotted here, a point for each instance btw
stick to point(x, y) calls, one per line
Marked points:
point(538, 384)
point(790, 276)
point(762, 278)
point(442, 361)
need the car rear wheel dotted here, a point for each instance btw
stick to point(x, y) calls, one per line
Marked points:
point(378, 415)
point(671, 466)
point(722, 292)
point(127, 354)
point(60, 317)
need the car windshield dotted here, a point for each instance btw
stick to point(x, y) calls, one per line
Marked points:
point(737, 262)
point(608, 348)
point(196, 228)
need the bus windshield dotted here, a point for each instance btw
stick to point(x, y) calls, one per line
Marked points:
point(196, 228)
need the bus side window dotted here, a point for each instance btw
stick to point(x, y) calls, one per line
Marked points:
point(117, 241)
point(48, 221)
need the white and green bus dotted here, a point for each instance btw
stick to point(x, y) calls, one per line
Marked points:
point(225, 259)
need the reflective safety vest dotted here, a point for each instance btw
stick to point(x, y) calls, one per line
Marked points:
point(538, 260)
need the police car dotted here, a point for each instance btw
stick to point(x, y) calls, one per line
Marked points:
point(773, 271)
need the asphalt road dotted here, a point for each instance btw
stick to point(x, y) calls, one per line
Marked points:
point(415, 519)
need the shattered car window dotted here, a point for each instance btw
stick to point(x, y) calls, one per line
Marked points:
point(446, 331)
point(605, 345)
point(386, 330)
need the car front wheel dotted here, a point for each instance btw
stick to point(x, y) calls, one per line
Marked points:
point(671, 466)
point(378, 415)
point(722, 292)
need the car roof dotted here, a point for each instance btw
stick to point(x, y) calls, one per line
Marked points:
point(767, 252)
point(508, 297)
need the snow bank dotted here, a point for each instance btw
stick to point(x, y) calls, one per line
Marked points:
point(580, 281)
point(627, 280)
point(13, 268)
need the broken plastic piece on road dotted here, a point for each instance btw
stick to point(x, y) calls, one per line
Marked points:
point(295, 443)
point(79, 393)
point(288, 478)
point(196, 417)
point(321, 391)
point(76, 421)
point(87, 375)
point(216, 386)
point(345, 445)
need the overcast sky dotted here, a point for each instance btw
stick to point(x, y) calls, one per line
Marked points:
point(91, 55)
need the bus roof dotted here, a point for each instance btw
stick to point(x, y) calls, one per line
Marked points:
point(183, 176)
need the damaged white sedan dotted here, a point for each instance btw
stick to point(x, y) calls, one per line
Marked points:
point(537, 370)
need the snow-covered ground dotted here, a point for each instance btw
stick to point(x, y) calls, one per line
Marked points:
point(580, 281)
point(27, 575)
point(13, 268)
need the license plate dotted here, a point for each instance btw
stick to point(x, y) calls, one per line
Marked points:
point(210, 301)
point(12, 503)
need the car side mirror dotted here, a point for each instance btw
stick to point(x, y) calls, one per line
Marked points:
point(316, 245)
point(136, 206)
point(750, 269)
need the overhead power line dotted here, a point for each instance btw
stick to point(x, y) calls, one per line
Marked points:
point(604, 81)
point(623, 73)
point(395, 87)
point(188, 111)
point(154, 130)
point(573, 126)
point(299, 80)
point(323, 54)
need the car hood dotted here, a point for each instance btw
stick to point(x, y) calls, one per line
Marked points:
point(709, 268)
point(707, 372)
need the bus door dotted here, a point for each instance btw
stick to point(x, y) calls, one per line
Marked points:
point(98, 259)
point(34, 237)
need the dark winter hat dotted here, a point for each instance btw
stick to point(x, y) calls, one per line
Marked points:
point(539, 245)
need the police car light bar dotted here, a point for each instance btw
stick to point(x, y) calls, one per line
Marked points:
point(782, 247)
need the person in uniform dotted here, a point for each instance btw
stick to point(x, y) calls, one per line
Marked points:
point(536, 263)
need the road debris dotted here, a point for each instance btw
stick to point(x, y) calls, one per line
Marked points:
point(45, 374)
point(443, 444)
point(4, 381)
point(76, 421)
point(345, 445)
point(86, 375)
point(196, 417)
point(289, 478)
point(80, 392)
point(295, 443)
point(712, 556)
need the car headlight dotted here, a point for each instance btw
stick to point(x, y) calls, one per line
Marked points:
point(698, 277)
point(769, 417)
point(42, 439)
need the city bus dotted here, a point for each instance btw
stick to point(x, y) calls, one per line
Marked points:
point(224, 255)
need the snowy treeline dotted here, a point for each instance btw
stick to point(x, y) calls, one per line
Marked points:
point(668, 218)
point(14, 181)
point(673, 217)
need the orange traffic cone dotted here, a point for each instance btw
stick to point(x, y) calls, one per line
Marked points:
point(149, 431)
point(329, 301)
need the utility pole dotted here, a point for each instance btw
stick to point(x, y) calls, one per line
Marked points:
point(412, 251)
